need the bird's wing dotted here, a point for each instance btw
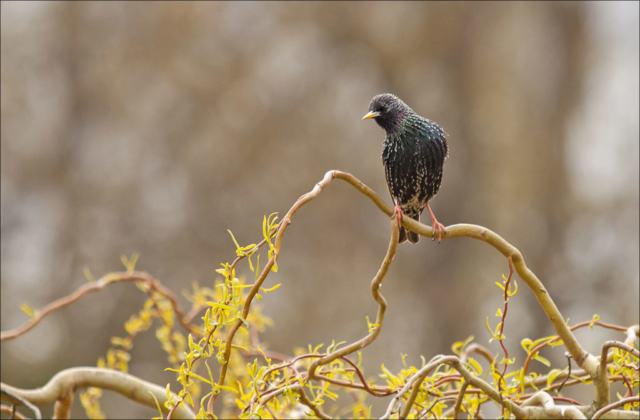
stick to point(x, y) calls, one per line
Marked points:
point(434, 149)
point(388, 175)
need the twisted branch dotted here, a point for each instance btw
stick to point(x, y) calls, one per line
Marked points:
point(551, 409)
point(303, 399)
point(16, 400)
point(604, 410)
point(67, 381)
point(376, 285)
point(631, 335)
point(602, 381)
point(416, 380)
point(585, 360)
point(541, 404)
point(96, 286)
point(286, 221)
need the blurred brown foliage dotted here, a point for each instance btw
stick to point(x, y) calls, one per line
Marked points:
point(155, 127)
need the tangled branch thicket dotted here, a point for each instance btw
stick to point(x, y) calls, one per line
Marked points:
point(222, 330)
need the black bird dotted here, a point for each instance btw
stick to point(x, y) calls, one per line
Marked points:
point(414, 152)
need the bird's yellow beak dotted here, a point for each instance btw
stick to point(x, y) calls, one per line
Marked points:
point(370, 115)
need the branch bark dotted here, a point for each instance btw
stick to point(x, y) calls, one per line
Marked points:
point(62, 408)
point(11, 411)
point(456, 408)
point(551, 409)
point(67, 381)
point(16, 401)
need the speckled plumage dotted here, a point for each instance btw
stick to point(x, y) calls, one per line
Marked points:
point(414, 152)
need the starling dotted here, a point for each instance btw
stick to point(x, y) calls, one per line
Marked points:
point(413, 157)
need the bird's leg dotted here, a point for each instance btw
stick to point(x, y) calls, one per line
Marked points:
point(436, 225)
point(398, 212)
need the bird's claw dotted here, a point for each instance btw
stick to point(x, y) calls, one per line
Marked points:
point(440, 227)
point(436, 225)
point(398, 212)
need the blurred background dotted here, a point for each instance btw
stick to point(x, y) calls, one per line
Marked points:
point(155, 127)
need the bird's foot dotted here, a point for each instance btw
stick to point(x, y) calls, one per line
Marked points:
point(440, 227)
point(436, 225)
point(398, 212)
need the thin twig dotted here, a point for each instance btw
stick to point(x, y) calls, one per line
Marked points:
point(601, 382)
point(213, 330)
point(501, 339)
point(614, 405)
point(622, 346)
point(380, 392)
point(583, 324)
point(479, 349)
point(16, 399)
point(426, 411)
point(303, 400)
point(120, 277)
point(568, 356)
point(629, 392)
point(316, 410)
point(417, 378)
point(414, 381)
point(456, 409)
point(12, 412)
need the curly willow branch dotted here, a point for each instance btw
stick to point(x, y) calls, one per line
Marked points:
point(416, 380)
point(506, 249)
point(286, 221)
point(376, 284)
point(539, 405)
point(303, 399)
point(109, 279)
point(630, 333)
point(59, 386)
point(67, 381)
point(586, 361)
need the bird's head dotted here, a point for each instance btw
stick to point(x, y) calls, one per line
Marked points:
point(388, 110)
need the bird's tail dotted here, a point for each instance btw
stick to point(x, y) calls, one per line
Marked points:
point(403, 235)
point(413, 237)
